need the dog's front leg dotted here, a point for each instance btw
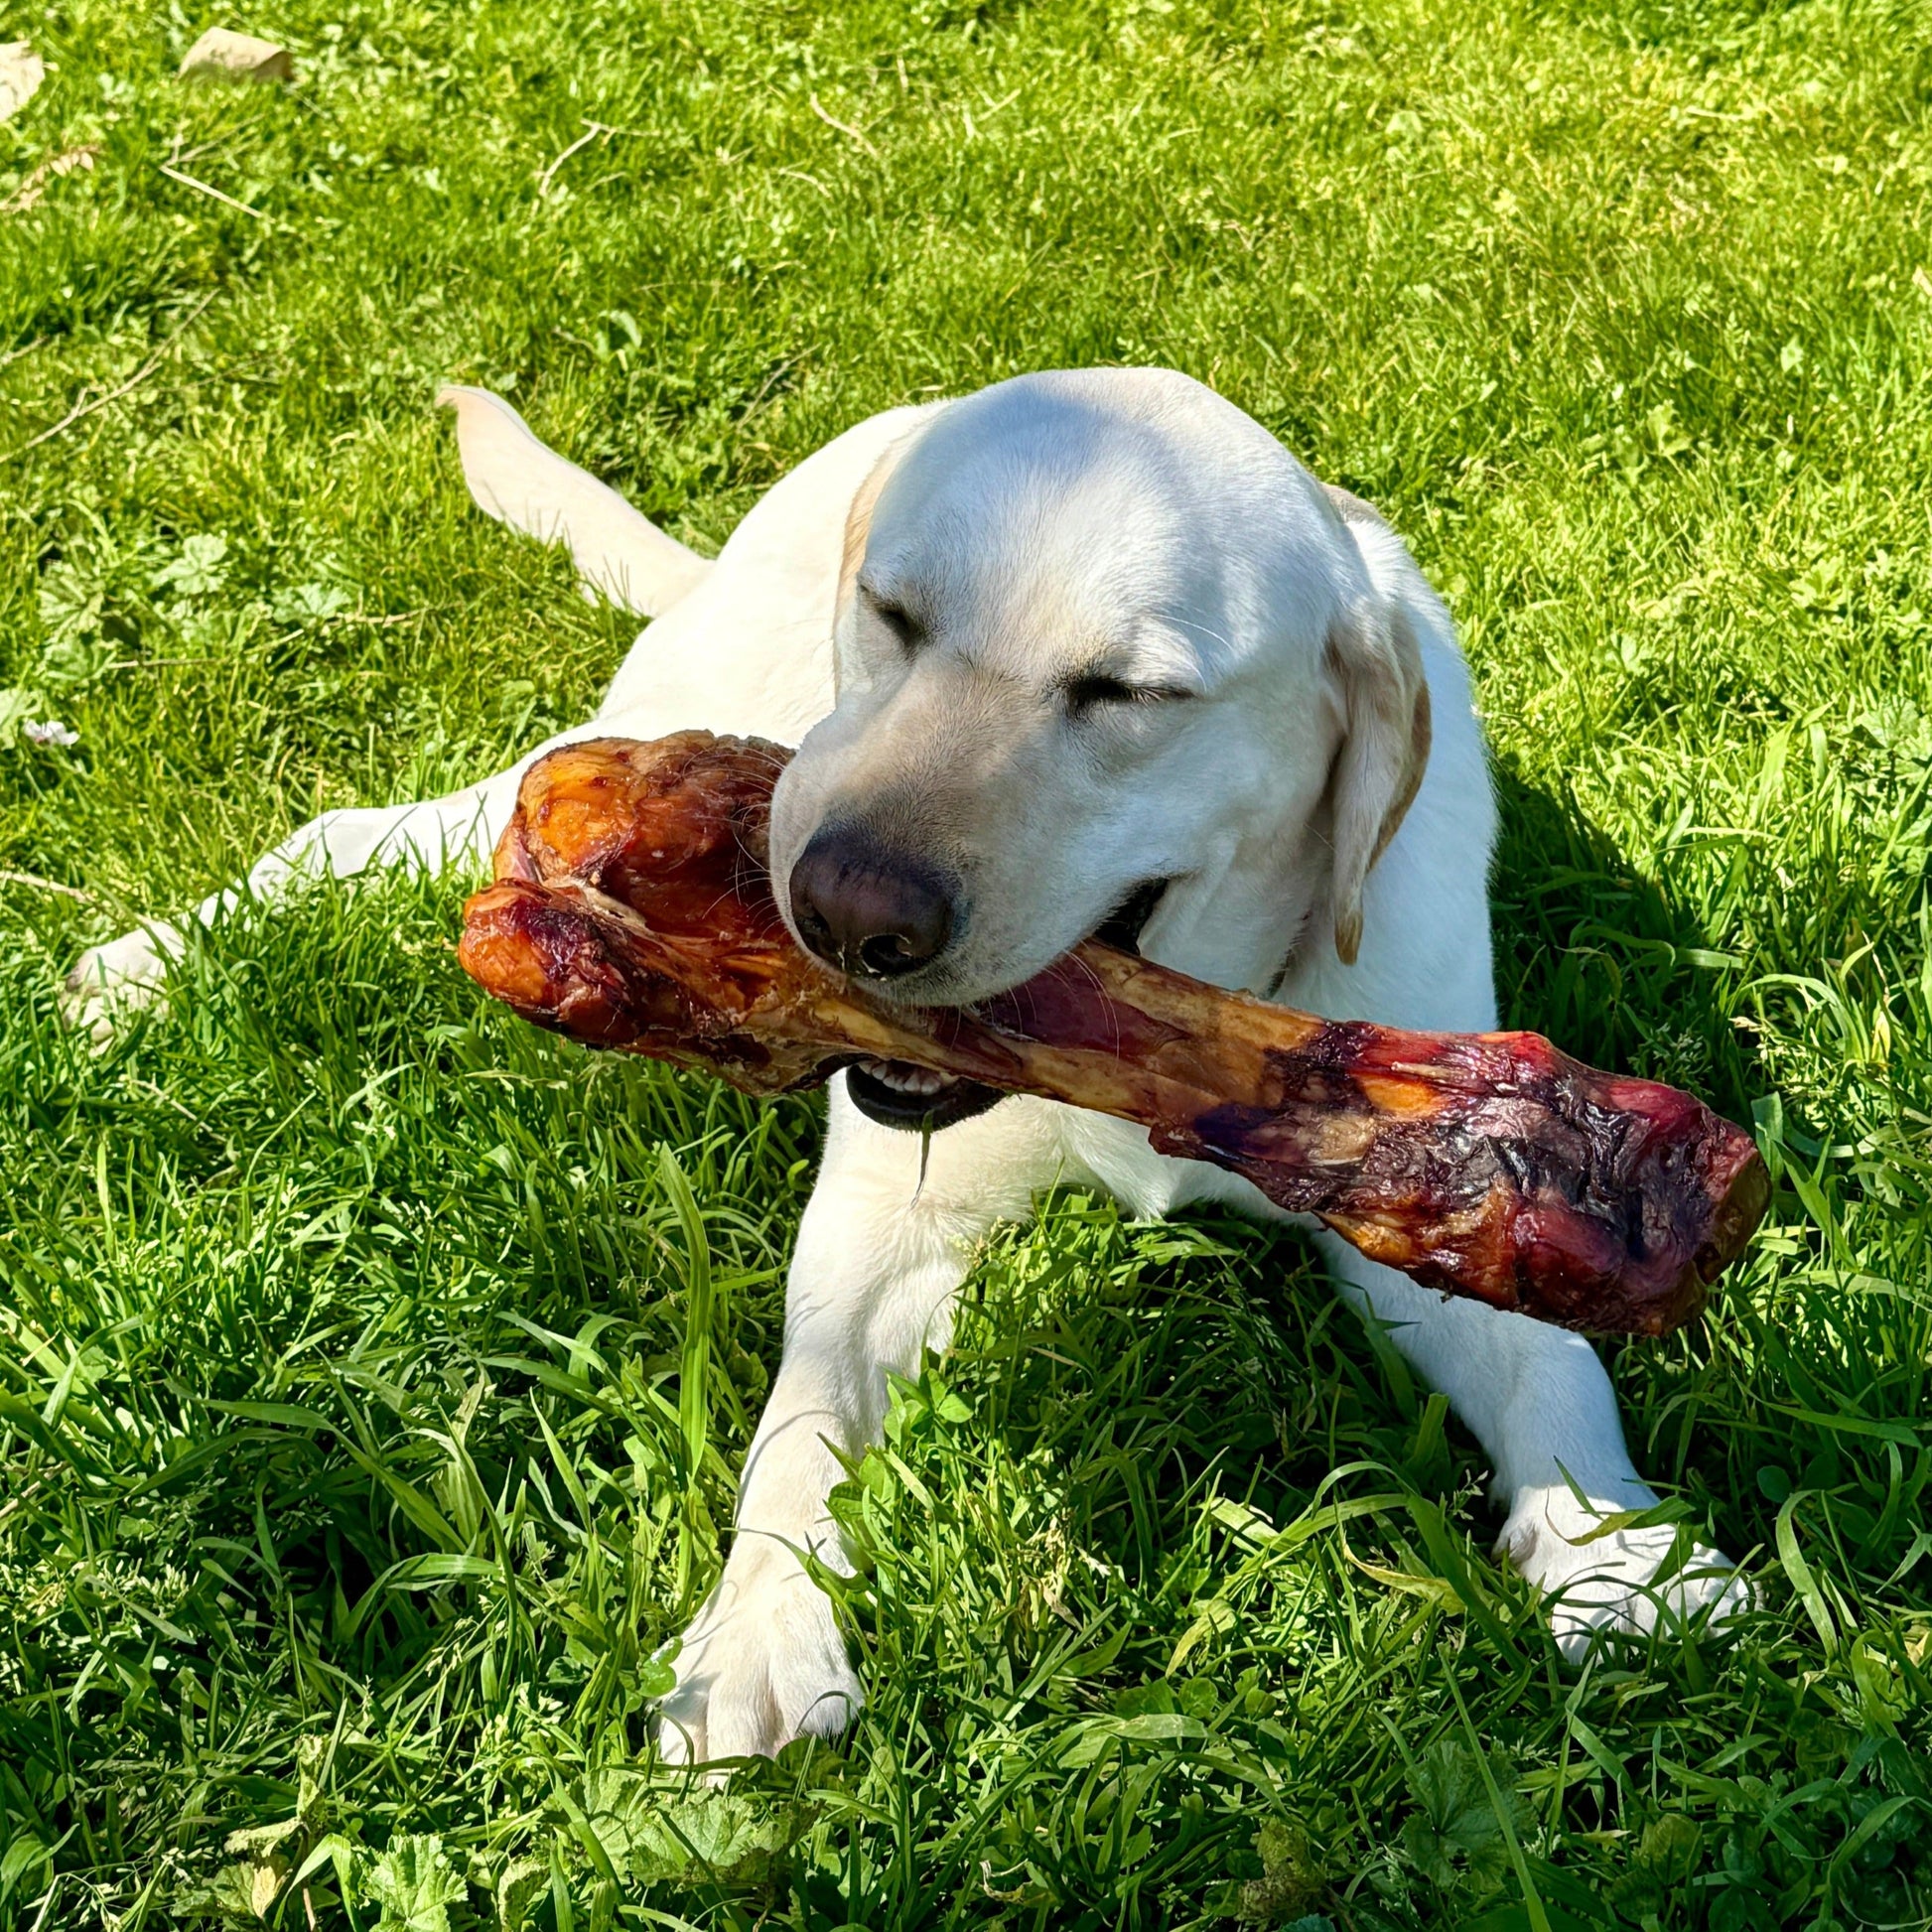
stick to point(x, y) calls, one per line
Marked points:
point(881, 1254)
point(1541, 1404)
point(128, 972)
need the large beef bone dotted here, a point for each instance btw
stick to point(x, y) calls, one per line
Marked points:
point(632, 908)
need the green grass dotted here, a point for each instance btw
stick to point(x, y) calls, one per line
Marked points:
point(374, 1371)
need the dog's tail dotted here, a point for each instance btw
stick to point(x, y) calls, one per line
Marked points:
point(519, 481)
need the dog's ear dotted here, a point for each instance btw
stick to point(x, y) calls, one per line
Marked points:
point(858, 523)
point(521, 481)
point(1377, 665)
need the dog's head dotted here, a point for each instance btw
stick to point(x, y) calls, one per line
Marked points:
point(1103, 646)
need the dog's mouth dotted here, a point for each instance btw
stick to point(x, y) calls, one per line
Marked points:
point(1123, 927)
point(895, 1093)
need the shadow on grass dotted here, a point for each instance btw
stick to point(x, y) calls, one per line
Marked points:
point(1606, 961)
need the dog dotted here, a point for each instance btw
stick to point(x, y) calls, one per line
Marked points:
point(1082, 652)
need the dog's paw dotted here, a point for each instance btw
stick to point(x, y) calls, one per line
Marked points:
point(763, 1663)
point(1605, 1581)
point(108, 982)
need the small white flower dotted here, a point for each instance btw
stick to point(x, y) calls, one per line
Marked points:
point(50, 730)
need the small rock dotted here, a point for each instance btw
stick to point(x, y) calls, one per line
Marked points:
point(20, 71)
point(223, 56)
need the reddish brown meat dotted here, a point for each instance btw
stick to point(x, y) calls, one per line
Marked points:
point(633, 909)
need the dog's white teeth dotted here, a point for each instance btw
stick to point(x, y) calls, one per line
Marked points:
point(916, 1080)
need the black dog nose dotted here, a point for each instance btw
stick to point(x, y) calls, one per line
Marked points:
point(868, 911)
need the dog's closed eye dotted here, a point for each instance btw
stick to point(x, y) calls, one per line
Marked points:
point(1093, 690)
point(897, 620)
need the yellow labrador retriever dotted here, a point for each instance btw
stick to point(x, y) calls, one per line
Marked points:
point(1082, 651)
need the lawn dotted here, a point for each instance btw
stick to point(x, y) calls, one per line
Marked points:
point(374, 1371)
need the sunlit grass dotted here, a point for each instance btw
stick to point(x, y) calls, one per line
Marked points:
point(374, 1371)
